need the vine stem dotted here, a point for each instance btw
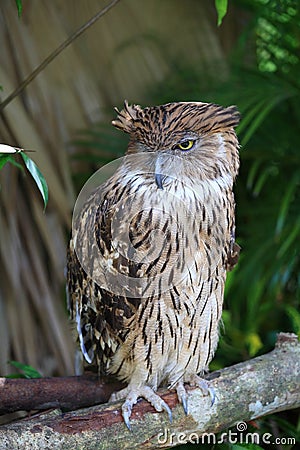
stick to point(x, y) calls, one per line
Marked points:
point(55, 53)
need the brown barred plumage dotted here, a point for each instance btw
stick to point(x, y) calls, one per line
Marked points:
point(183, 160)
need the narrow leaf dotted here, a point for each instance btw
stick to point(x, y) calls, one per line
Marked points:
point(265, 108)
point(19, 7)
point(4, 159)
point(15, 375)
point(290, 240)
point(252, 173)
point(37, 176)
point(8, 158)
point(287, 199)
point(269, 171)
point(295, 318)
point(28, 371)
point(221, 7)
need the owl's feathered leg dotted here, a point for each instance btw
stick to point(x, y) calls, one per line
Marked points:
point(132, 395)
point(195, 381)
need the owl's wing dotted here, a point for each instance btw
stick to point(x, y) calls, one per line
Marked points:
point(233, 256)
point(233, 250)
point(101, 316)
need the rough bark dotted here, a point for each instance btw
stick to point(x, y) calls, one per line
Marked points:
point(64, 392)
point(263, 385)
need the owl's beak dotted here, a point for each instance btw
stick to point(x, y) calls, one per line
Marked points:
point(158, 180)
point(159, 177)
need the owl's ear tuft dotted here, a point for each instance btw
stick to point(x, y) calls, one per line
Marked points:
point(126, 117)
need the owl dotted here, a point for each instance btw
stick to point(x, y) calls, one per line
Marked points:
point(150, 249)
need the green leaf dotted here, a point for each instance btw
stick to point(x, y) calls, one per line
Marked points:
point(221, 7)
point(37, 176)
point(28, 371)
point(5, 159)
point(260, 113)
point(289, 240)
point(254, 343)
point(269, 171)
point(295, 317)
point(15, 375)
point(19, 7)
point(287, 199)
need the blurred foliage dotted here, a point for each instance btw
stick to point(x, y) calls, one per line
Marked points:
point(102, 143)
point(263, 292)
point(19, 7)
point(26, 370)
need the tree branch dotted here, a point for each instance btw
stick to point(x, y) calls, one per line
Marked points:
point(261, 386)
point(63, 392)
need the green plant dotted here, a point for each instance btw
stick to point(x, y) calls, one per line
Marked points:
point(8, 155)
point(221, 7)
point(19, 7)
point(26, 371)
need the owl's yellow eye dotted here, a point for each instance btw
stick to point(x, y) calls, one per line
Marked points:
point(186, 145)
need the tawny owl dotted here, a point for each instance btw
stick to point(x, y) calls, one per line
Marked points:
point(163, 228)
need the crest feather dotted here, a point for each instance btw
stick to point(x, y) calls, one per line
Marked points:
point(126, 117)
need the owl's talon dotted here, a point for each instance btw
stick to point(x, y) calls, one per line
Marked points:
point(195, 380)
point(207, 390)
point(126, 416)
point(168, 410)
point(131, 399)
point(182, 396)
point(156, 401)
point(132, 396)
point(212, 394)
point(185, 405)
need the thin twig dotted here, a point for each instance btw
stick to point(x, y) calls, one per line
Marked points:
point(55, 53)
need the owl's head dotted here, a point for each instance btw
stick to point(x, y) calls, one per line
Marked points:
point(202, 133)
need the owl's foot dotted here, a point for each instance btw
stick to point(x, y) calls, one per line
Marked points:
point(194, 381)
point(132, 395)
point(197, 381)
